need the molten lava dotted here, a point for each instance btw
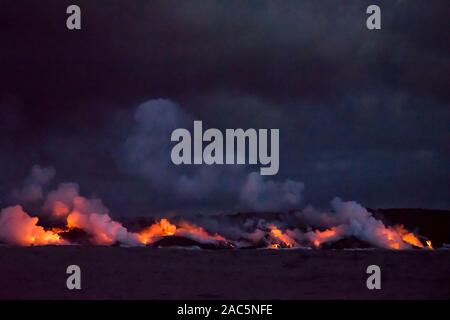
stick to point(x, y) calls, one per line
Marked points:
point(321, 237)
point(87, 220)
point(409, 237)
point(20, 229)
point(157, 230)
point(281, 239)
point(190, 230)
point(164, 228)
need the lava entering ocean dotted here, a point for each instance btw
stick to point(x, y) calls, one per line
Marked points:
point(90, 220)
point(19, 228)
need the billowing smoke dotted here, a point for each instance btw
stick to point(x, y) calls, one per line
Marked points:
point(351, 219)
point(89, 215)
point(261, 195)
point(75, 212)
point(102, 229)
point(33, 186)
point(146, 153)
point(311, 228)
point(308, 228)
point(66, 198)
point(18, 228)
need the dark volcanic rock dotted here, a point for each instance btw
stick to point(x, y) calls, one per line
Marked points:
point(347, 243)
point(433, 224)
point(76, 236)
point(177, 241)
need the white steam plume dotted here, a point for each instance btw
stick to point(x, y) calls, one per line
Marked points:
point(33, 186)
point(146, 153)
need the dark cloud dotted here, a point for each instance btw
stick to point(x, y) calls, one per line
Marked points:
point(363, 115)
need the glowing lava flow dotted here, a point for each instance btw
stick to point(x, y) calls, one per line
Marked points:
point(157, 230)
point(88, 220)
point(320, 237)
point(197, 233)
point(18, 228)
point(164, 228)
point(281, 239)
point(409, 237)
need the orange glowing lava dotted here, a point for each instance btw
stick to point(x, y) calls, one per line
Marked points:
point(390, 237)
point(409, 237)
point(281, 239)
point(323, 236)
point(193, 231)
point(157, 230)
point(164, 228)
point(22, 229)
point(40, 237)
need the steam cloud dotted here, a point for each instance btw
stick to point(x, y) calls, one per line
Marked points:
point(89, 215)
point(146, 153)
point(302, 229)
point(18, 228)
point(261, 195)
point(32, 189)
point(351, 219)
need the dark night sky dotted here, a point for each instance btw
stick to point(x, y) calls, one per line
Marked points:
point(364, 115)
